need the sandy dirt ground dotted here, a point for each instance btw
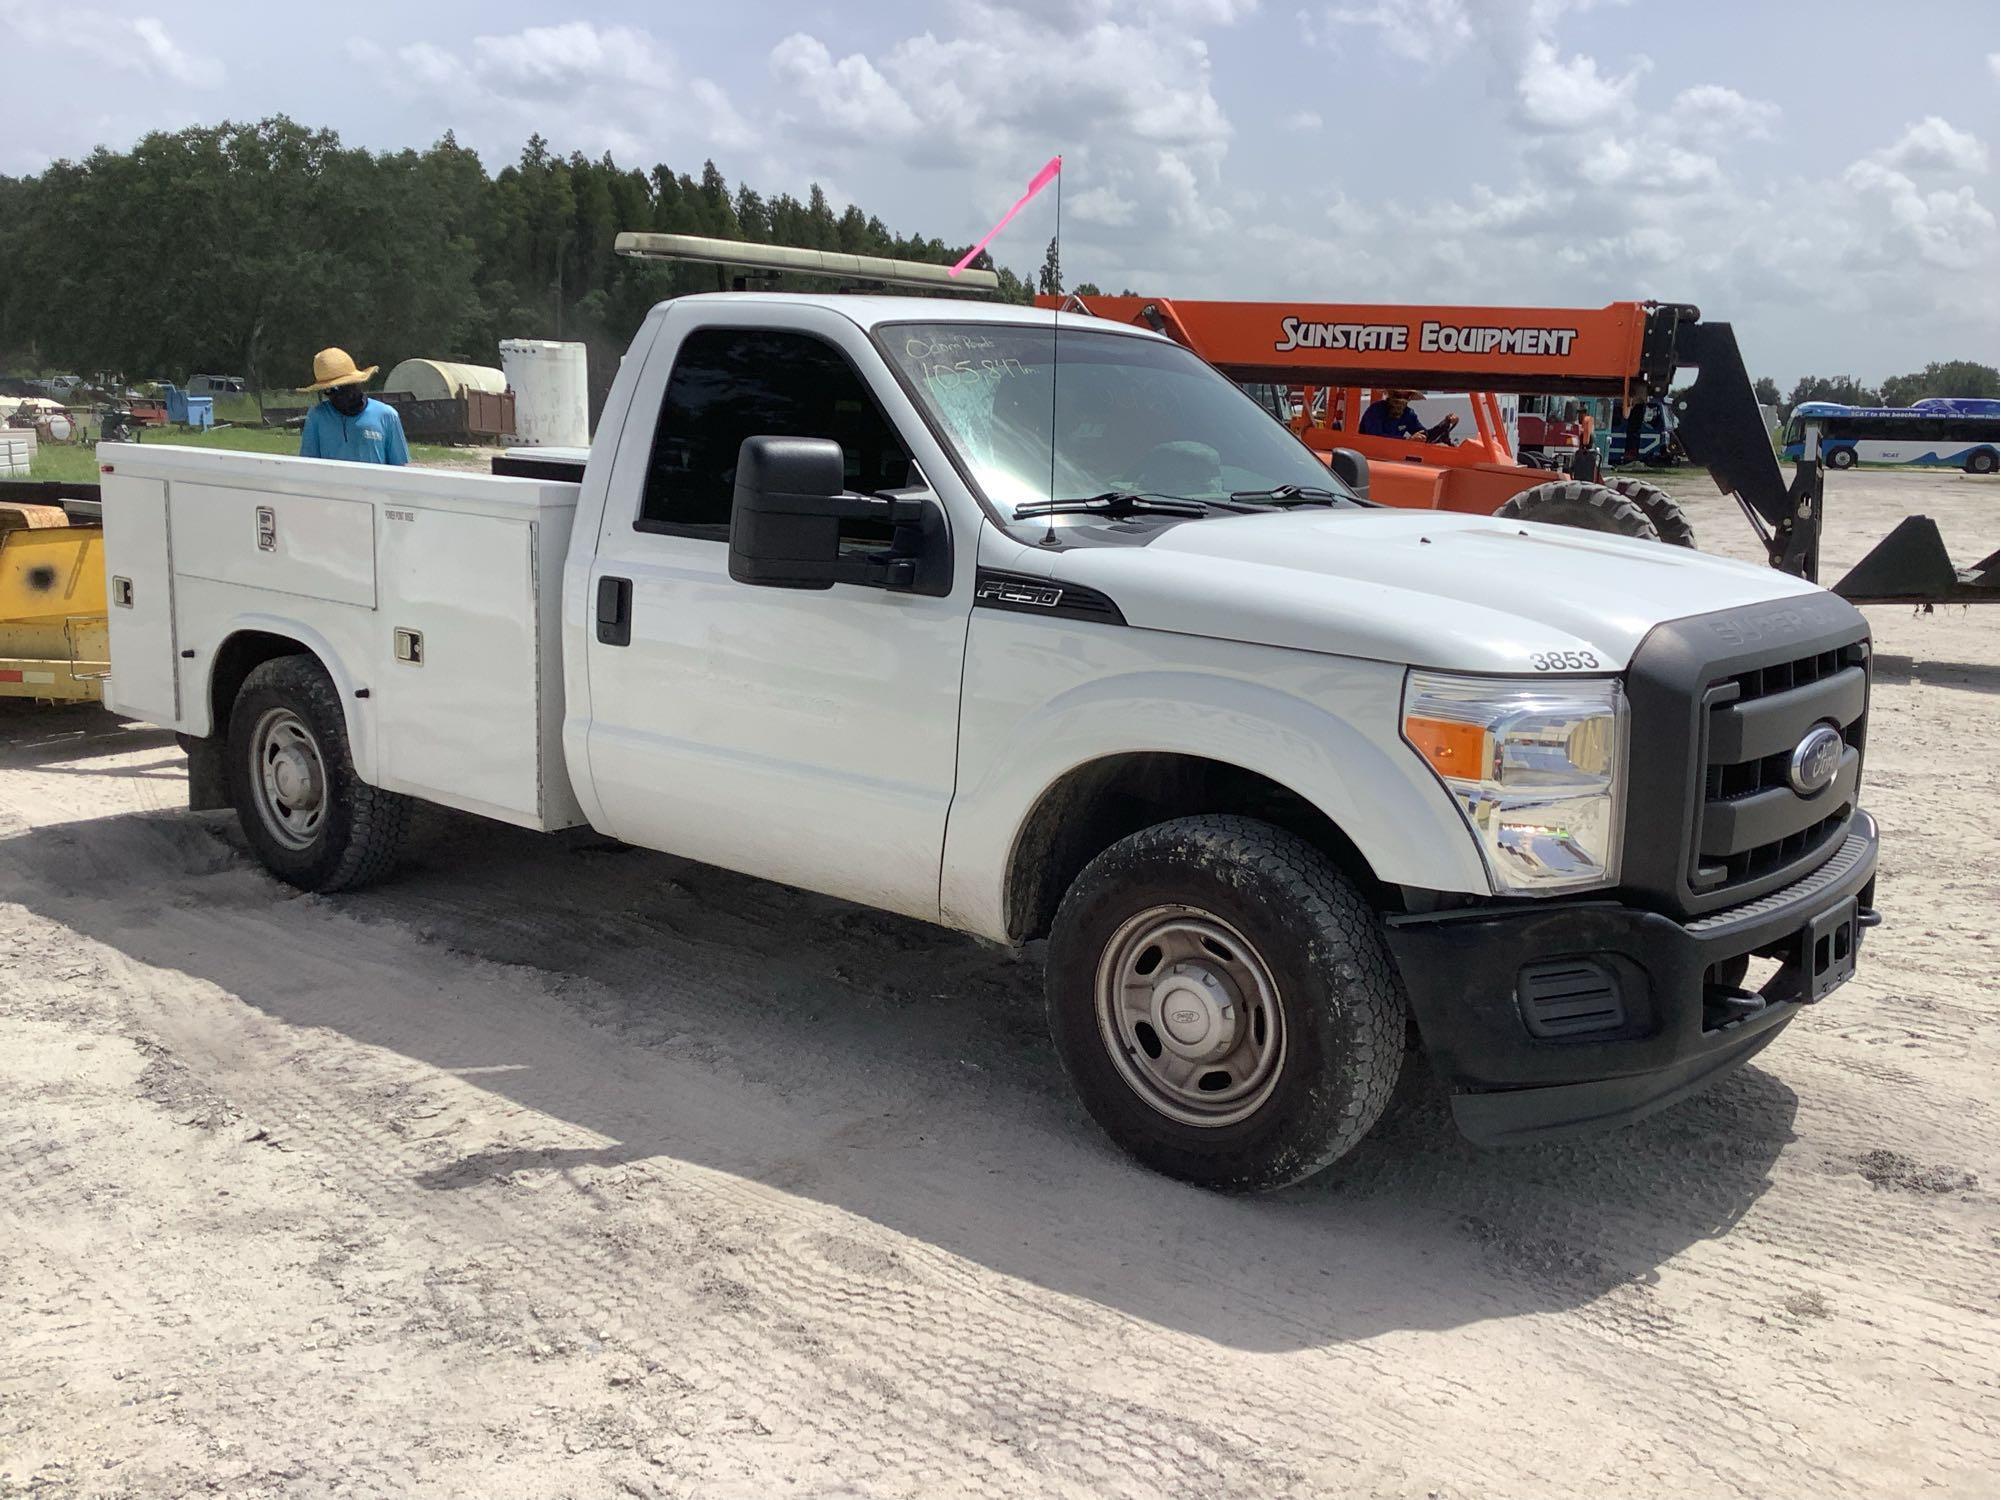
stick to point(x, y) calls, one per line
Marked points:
point(559, 1169)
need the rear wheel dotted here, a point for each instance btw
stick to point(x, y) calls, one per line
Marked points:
point(1589, 507)
point(1981, 462)
point(1659, 507)
point(313, 822)
point(1224, 1002)
point(1841, 458)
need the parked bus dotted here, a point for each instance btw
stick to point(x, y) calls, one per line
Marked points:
point(1941, 431)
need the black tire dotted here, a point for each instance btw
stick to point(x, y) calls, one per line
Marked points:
point(1841, 458)
point(1589, 507)
point(1338, 1016)
point(1981, 462)
point(349, 835)
point(1671, 525)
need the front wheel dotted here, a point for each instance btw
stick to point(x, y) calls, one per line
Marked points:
point(1224, 1003)
point(1841, 458)
point(1659, 507)
point(1981, 462)
point(313, 822)
point(1588, 507)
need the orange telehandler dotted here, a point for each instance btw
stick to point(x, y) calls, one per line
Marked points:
point(1312, 364)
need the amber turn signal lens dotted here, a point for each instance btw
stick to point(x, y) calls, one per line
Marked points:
point(1454, 748)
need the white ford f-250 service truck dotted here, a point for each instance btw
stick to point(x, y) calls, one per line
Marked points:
point(847, 596)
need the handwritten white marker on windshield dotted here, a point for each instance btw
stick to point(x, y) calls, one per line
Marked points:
point(1042, 180)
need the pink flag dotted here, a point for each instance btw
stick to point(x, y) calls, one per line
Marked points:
point(1042, 180)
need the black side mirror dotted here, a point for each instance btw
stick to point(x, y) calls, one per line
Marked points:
point(1351, 469)
point(786, 517)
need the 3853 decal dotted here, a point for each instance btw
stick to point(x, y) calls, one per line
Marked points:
point(1562, 661)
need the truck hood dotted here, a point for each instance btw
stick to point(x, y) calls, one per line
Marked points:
point(1422, 588)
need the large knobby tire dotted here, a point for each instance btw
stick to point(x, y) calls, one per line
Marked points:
point(1659, 506)
point(1589, 507)
point(309, 818)
point(1224, 1002)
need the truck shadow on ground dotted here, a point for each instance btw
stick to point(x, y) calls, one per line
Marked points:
point(893, 1070)
point(1972, 677)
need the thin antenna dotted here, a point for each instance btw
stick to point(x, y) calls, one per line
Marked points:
point(1055, 331)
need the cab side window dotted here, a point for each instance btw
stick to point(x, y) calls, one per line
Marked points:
point(729, 384)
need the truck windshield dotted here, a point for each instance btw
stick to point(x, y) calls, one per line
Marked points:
point(1131, 416)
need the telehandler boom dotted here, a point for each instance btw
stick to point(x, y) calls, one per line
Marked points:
point(1627, 351)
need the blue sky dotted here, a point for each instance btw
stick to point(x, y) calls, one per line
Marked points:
point(1822, 176)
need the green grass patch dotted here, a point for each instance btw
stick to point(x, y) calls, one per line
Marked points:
point(243, 409)
point(73, 463)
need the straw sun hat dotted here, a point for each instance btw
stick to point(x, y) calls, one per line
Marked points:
point(332, 367)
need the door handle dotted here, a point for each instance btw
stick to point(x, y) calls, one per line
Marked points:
point(614, 611)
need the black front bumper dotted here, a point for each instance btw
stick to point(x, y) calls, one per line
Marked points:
point(1559, 1018)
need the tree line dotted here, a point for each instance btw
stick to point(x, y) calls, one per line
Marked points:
point(243, 248)
point(1952, 377)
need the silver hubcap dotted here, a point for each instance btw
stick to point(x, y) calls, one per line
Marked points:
point(291, 779)
point(1190, 1015)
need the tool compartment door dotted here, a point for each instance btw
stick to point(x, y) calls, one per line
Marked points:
point(460, 702)
point(315, 546)
point(139, 578)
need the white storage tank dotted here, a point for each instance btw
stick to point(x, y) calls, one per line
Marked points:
point(438, 380)
point(551, 392)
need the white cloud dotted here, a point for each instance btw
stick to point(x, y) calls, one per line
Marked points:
point(847, 96)
point(726, 127)
point(1717, 116)
point(1422, 30)
point(1932, 145)
point(573, 54)
point(1105, 207)
point(137, 44)
point(1597, 177)
point(1436, 31)
point(160, 53)
point(1946, 227)
point(576, 83)
point(988, 92)
point(1568, 94)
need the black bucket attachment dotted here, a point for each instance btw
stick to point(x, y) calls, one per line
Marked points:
point(1910, 566)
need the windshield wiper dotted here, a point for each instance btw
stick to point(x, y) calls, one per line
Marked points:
point(1288, 495)
point(1113, 503)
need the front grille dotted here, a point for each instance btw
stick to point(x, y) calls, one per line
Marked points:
point(1752, 823)
point(1719, 704)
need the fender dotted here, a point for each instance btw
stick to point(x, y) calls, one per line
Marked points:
point(1260, 711)
point(200, 722)
point(609, 452)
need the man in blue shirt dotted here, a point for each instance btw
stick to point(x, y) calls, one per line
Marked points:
point(345, 422)
point(1390, 416)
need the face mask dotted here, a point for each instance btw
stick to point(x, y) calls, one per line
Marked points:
point(348, 400)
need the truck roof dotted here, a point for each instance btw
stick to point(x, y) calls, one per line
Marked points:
point(870, 311)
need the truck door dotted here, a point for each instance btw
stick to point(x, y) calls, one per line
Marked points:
point(805, 736)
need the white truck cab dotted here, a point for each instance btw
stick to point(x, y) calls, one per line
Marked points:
point(1035, 626)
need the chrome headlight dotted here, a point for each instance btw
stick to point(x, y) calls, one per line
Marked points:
point(1538, 770)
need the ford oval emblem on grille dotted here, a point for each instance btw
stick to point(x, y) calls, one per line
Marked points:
point(1815, 761)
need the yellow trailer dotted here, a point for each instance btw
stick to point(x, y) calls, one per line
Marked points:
point(53, 641)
